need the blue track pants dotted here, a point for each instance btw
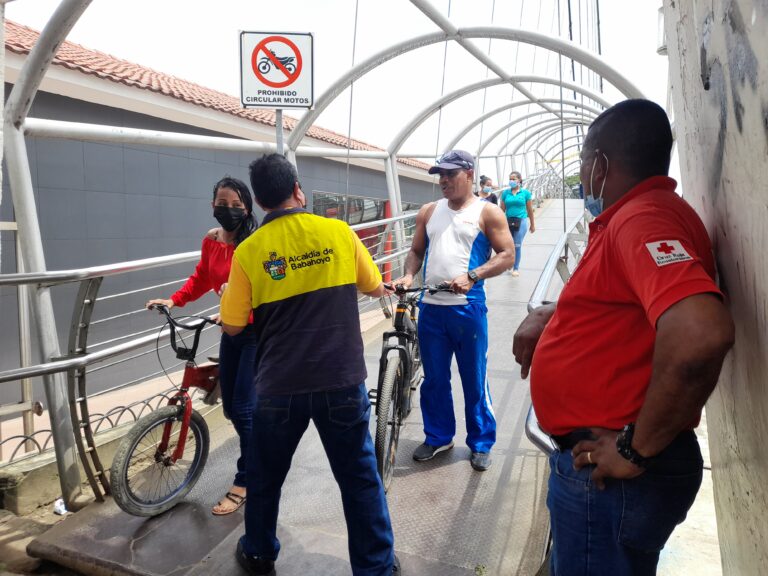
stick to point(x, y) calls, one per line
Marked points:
point(463, 331)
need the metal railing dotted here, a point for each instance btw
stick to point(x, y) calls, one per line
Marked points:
point(563, 260)
point(111, 351)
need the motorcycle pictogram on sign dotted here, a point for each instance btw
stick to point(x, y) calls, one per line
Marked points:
point(276, 61)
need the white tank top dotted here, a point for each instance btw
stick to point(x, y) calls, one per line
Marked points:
point(455, 245)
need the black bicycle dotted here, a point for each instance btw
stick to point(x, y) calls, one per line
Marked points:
point(400, 374)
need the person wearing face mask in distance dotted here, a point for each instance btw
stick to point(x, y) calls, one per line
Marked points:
point(486, 190)
point(233, 209)
point(518, 208)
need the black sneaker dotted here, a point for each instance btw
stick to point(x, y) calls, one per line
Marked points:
point(396, 568)
point(480, 461)
point(427, 452)
point(253, 565)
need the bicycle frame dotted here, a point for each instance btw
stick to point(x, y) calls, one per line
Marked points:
point(404, 331)
point(194, 377)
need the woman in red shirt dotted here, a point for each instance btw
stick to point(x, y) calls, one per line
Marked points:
point(233, 209)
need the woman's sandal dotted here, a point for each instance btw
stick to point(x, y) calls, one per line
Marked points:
point(236, 499)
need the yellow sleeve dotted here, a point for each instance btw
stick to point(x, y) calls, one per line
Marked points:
point(236, 301)
point(368, 275)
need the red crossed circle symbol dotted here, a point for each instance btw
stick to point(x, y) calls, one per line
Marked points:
point(261, 47)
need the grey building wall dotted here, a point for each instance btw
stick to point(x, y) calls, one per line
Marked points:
point(104, 203)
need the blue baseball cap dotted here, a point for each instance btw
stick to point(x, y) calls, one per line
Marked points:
point(454, 159)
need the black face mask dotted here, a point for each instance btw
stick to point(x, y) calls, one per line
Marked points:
point(229, 218)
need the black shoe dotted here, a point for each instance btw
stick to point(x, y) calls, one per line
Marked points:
point(254, 565)
point(427, 452)
point(480, 461)
point(396, 568)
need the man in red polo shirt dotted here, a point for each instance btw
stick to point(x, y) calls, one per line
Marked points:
point(622, 365)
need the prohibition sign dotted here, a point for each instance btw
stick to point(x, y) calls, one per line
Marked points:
point(261, 47)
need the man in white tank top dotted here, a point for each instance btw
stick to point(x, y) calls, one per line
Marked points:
point(453, 241)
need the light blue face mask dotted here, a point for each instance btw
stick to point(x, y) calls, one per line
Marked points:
point(487, 190)
point(595, 205)
point(513, 184)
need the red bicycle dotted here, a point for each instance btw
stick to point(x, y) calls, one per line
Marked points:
point(159, 461)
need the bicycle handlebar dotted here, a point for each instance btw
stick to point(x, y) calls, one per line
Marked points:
point(163, 309)
point(182, 352)
point(431, 288)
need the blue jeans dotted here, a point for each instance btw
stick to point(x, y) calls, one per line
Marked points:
point(461, 330)
point(341, 418)
point(237, 355)
point(518, 239)
point(622, 529)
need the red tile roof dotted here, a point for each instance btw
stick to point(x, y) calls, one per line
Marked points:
point(20, 40)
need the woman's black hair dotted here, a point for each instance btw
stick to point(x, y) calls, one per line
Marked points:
point(243, 192)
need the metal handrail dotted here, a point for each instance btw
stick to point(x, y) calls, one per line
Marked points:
point(533, 431)
point(65, 276)
point(545, 280)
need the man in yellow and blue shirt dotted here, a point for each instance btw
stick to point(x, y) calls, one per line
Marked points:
point(299, 275)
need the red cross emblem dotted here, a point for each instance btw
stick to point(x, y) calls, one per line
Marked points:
point(665, 248)
point(666, 252)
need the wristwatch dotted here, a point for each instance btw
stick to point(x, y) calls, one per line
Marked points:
point(624, 447)
point(473, 276)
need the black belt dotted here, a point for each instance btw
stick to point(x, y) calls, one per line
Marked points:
point(568, 441)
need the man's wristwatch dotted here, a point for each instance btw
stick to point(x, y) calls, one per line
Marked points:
point(624, 447)
point(473, 276)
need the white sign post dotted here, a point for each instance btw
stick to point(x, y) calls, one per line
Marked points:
point(276, 71)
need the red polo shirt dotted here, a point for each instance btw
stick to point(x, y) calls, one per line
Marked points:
point(592, 365)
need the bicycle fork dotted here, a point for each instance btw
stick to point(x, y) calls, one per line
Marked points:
point(186, 403)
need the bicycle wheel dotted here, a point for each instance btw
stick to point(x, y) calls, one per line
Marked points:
point(144, 481)
point(388, 419)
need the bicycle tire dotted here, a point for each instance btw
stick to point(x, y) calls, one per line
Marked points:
point(142, 485)
point(388, 419)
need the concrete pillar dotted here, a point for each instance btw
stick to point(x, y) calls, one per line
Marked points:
point(718, 56)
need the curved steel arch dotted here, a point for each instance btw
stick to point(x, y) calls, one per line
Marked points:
point(454, 141)
point(558, 45)
point(424, 115)
point(568, 161)
point(563, 141)
point(569, 120)
point(542, 126)
point(543, 138)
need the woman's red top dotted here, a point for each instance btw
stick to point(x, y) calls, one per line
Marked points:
point(210, 273)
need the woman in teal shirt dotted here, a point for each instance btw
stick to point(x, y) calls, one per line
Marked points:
point(516, 203)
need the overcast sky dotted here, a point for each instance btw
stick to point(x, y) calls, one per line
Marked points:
point(198, 41)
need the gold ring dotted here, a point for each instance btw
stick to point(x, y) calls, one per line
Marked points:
point(589, 457)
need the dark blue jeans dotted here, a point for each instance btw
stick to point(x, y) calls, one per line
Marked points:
point(620, 530)
point(237, 355)
point(341, 418)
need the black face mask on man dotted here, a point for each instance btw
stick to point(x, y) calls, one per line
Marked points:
point(229, 218)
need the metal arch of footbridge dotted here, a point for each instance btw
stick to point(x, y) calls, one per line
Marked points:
point(563, 141)
point(581, 120)
point(455, 140)
point(398, 141)
point(462, 36)
point(542, 126)
point(540, 139)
